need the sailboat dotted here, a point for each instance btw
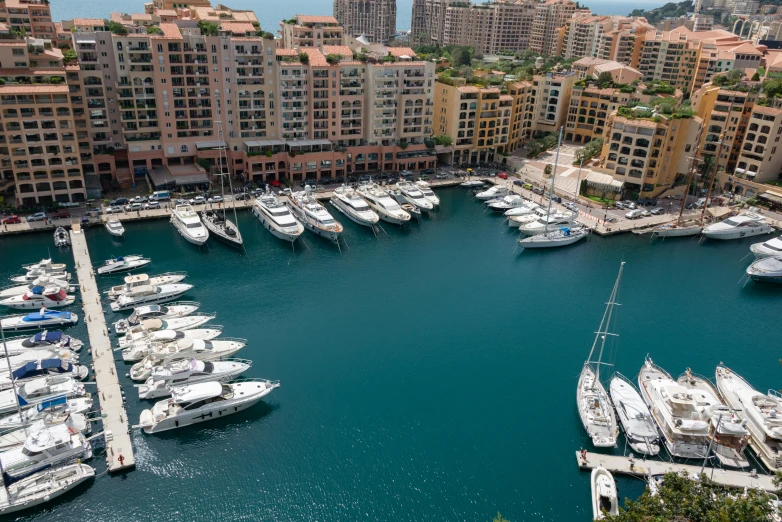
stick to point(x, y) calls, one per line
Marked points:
point(565, 235)
point(216, 220)
point(594, 404)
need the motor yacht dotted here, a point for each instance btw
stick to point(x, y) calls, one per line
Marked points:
point(40, 390)
point(555, 238)
point(61, 238)
point(42, 487)
point(727, 434)
point(746, 224)
point(675, 410)
point(46, 265)
point(54, 340)
point(221, 227)
point(39, 296)
point(505, 203)
point(347, 201)
point(167, 336)
point(150, 326)
point(16, 438)
point(49, 447)
point(11, 291)
point(276, 218)
point(58, 405)
point(32, 370)
point(148, 294)
point(413, 195)
point(39, 320)
point(169, 311)
point(122, 264)
point(766, 270)
point(31, 275)
point(192, 348)
point(605, 499)
point(493, 192)
point(189, 371)
point(524, 209)
point(189, 225)
point(314, 216)
point(639, 427)
point(115, 228)
point(770, 248)
point(382, 203)
point(202, 401)
point(760, 410)
point(131, 282)
point(428, 193)
point(520, 220)
point(550, 222)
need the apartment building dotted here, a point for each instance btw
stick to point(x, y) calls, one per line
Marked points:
point(759, 160)
point(31, 16)
point(478, 119)
point(723, 54)
point(490, 28)
point(624, 44)
point(376, 19)
point(591, 35)
point(593, 67)
point(427, 25)
point(589, 110)
point(551, 99)
point(311, 31)
point(648, 155)
point(522, 113)
point(551, 16)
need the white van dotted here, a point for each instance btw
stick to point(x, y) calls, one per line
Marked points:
point(160, 195)
point(634, 214)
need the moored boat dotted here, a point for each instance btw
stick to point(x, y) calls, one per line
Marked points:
point(189, 371)
point(493, 192)
point(766, 270)
point(39, 296)
point(115, 228)
point(605, 499)
point(276, 218)
point(639, 428)
point(61, 238)
point(168, 336)
point(168, 278)
point(13, 290)
point(36, 320)
point(314, 216)
point(122, 264)
point(167, 311)
point(770, 248)
point(47, 339)
point(149, 294)
point(413, 195)
point(185, 348)
point(350, 203)
point(49, 447)
point(428, 193)
point(381, 202)
point(746, 224)
point(43, 487)
point(189, 225)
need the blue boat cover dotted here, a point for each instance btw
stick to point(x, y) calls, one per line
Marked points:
point(565, 231)
point(120, 258)
point(52, 402)
point(31, 369)
point(51, 337)
point(48, 314)
point(37, 290)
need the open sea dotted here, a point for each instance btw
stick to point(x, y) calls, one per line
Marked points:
point(427, 374)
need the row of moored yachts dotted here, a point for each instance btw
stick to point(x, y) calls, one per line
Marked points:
point(286, 217)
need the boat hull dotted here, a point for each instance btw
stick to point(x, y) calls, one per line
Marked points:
point(116, 306)
point(18, 303)
point(541, 241)
point(198, 241)
point(290, 237)
point(60, 481)
point(737, 234)
point(678, 231)
point(599, 422)
point(220, 233)
point(348, 212)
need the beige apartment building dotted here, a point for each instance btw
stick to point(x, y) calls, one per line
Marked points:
point(551, 16)
point(589, 110)
point(32, 16)
point(427, 25)
point(490, 28)
point(760, 159)
point(376, 19)
point(591, 35)
point(551, 99)
point(522, 114)
point(311, 31)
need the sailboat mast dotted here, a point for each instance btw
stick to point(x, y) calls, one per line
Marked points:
point(553, 177)
point(575, 192)
point(11, 375)
point(604, 323)
point(687, 189)
point(713, 176)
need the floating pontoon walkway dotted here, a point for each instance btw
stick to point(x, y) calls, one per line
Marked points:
point(643, 468)
point(115, 418)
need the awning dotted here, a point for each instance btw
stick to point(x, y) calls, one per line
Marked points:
point(162, 178)
point(773, 197)
point(210, 144)
point(264, 143)
point(93, 42)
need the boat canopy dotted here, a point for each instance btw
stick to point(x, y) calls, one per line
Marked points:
point(47, 314)
point(120, 258)
point(51, 403)
point(37, 290)
point(49, 337)
point(31, 369)
point(152, 324)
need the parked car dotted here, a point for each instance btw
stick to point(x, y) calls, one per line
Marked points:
point(634, 214)
point(119, 201)
point(620, 204)
point(556, 198)
point(61, 214)
point(425, 177)
point(406, 174)
point(11, 220)
point(630, 205)
point(326, 181)
point(95, 212)
point(114, 210)
point(428, 171)
point(518, 182)
point(339, 181)
point(502, 175)
point(139, 199)
point(646, 213)
point(198, 200)
point(150, 205)
point(441, 175)
point(133, 207)
point(38, 216)
point(180, 202)
point(657, 211)
point(242, 196)
point(537, 190)
point(571, 206)
point(363, 178)
point(215, 199)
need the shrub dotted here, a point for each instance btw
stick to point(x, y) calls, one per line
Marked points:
point(116, 28)
point(208, 28)
point(304, 58)
point(153, 29)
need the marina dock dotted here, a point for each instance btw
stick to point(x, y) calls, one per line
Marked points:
point(119, 452)
point(643, 468)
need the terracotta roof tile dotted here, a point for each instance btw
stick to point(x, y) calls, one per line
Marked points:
point(237, 27)
point(401, 51)
point(309, 19)
point(170, 32)
point(88, 21)
point(317, 58)
point(342, 50)
point(286, 52)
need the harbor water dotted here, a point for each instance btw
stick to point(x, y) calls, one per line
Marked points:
point(427, 373)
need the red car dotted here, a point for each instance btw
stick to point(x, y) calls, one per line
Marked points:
point(274, 183)
point(502, 175)
point(61, 214)
point(11, 220)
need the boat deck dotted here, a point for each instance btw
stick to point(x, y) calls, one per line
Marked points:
point(642, 468)
point(115, 418)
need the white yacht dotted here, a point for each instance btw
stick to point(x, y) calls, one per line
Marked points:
point(770, 248)
point(525, 208)
point(170, 336)
point(32, 275)
point(382, 203)
point(157, 330)
point(605, 498)
point(11, 291)
point(678, 229)
point(148, 294)
point(746, 224)
point(506, 203)
point(46, 448)
point(675, 411)
point(493, 192)
point(428, 193)
point(471, 183)
point(202, 401)
point(115, 228)
point(314, 216)
point(58, 405)
point(347, 201)
point(39, 296)
point(77, 422)
point(40, 390)
point(122, 264)
point(189, 371)
point(766, 270)
point(197, 348)
point(555, 238)
point(535, 214)
point(551, 222)
point(46, 339)
point(169, 311)
point(47, 265)
point(61, 238)
point(189, 225)
point(43, 487)
point(594, 404)
point(49, 367)
point(276, 218)
point(761, 411)
point(639, 427)
point(131, 282)
point(413, 195)
point(727, 434)
point(39, 320)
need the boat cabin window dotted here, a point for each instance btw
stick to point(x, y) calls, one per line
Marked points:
point(193, 225)
point(29, 453)
point(772, 247)
point(195, 405)
point(278, 211)
point(731, 222)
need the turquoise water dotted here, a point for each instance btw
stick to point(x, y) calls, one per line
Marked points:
point(427, 374)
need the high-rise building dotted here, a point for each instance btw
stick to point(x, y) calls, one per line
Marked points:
point(551, 17)
point(376, 19)
point(311, 31)
point(31, 16)
point(428, 22)
point(588, 35)
point(551, 99)
point(490, 28)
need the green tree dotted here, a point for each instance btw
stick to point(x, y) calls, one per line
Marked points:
point(443, 139)
point(605, 79)
point(461, 56)
point(116, 27)
point(772, 88)
point(547, 170)
point(153, 29)
point(304, 58)
point(69, 56)
point(208, 28)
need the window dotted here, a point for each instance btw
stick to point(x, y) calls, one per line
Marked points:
point(183, 148)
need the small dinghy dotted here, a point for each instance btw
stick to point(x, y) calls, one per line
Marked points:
point(605, 500)
point(115, 228)
point(61, 238)
point(123, 264)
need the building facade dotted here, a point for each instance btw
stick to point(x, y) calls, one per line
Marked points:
point(551, 16)
point(490, 28)
point(376, 19)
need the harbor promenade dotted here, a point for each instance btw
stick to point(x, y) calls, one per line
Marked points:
point(119, 452)
point(643, 468)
